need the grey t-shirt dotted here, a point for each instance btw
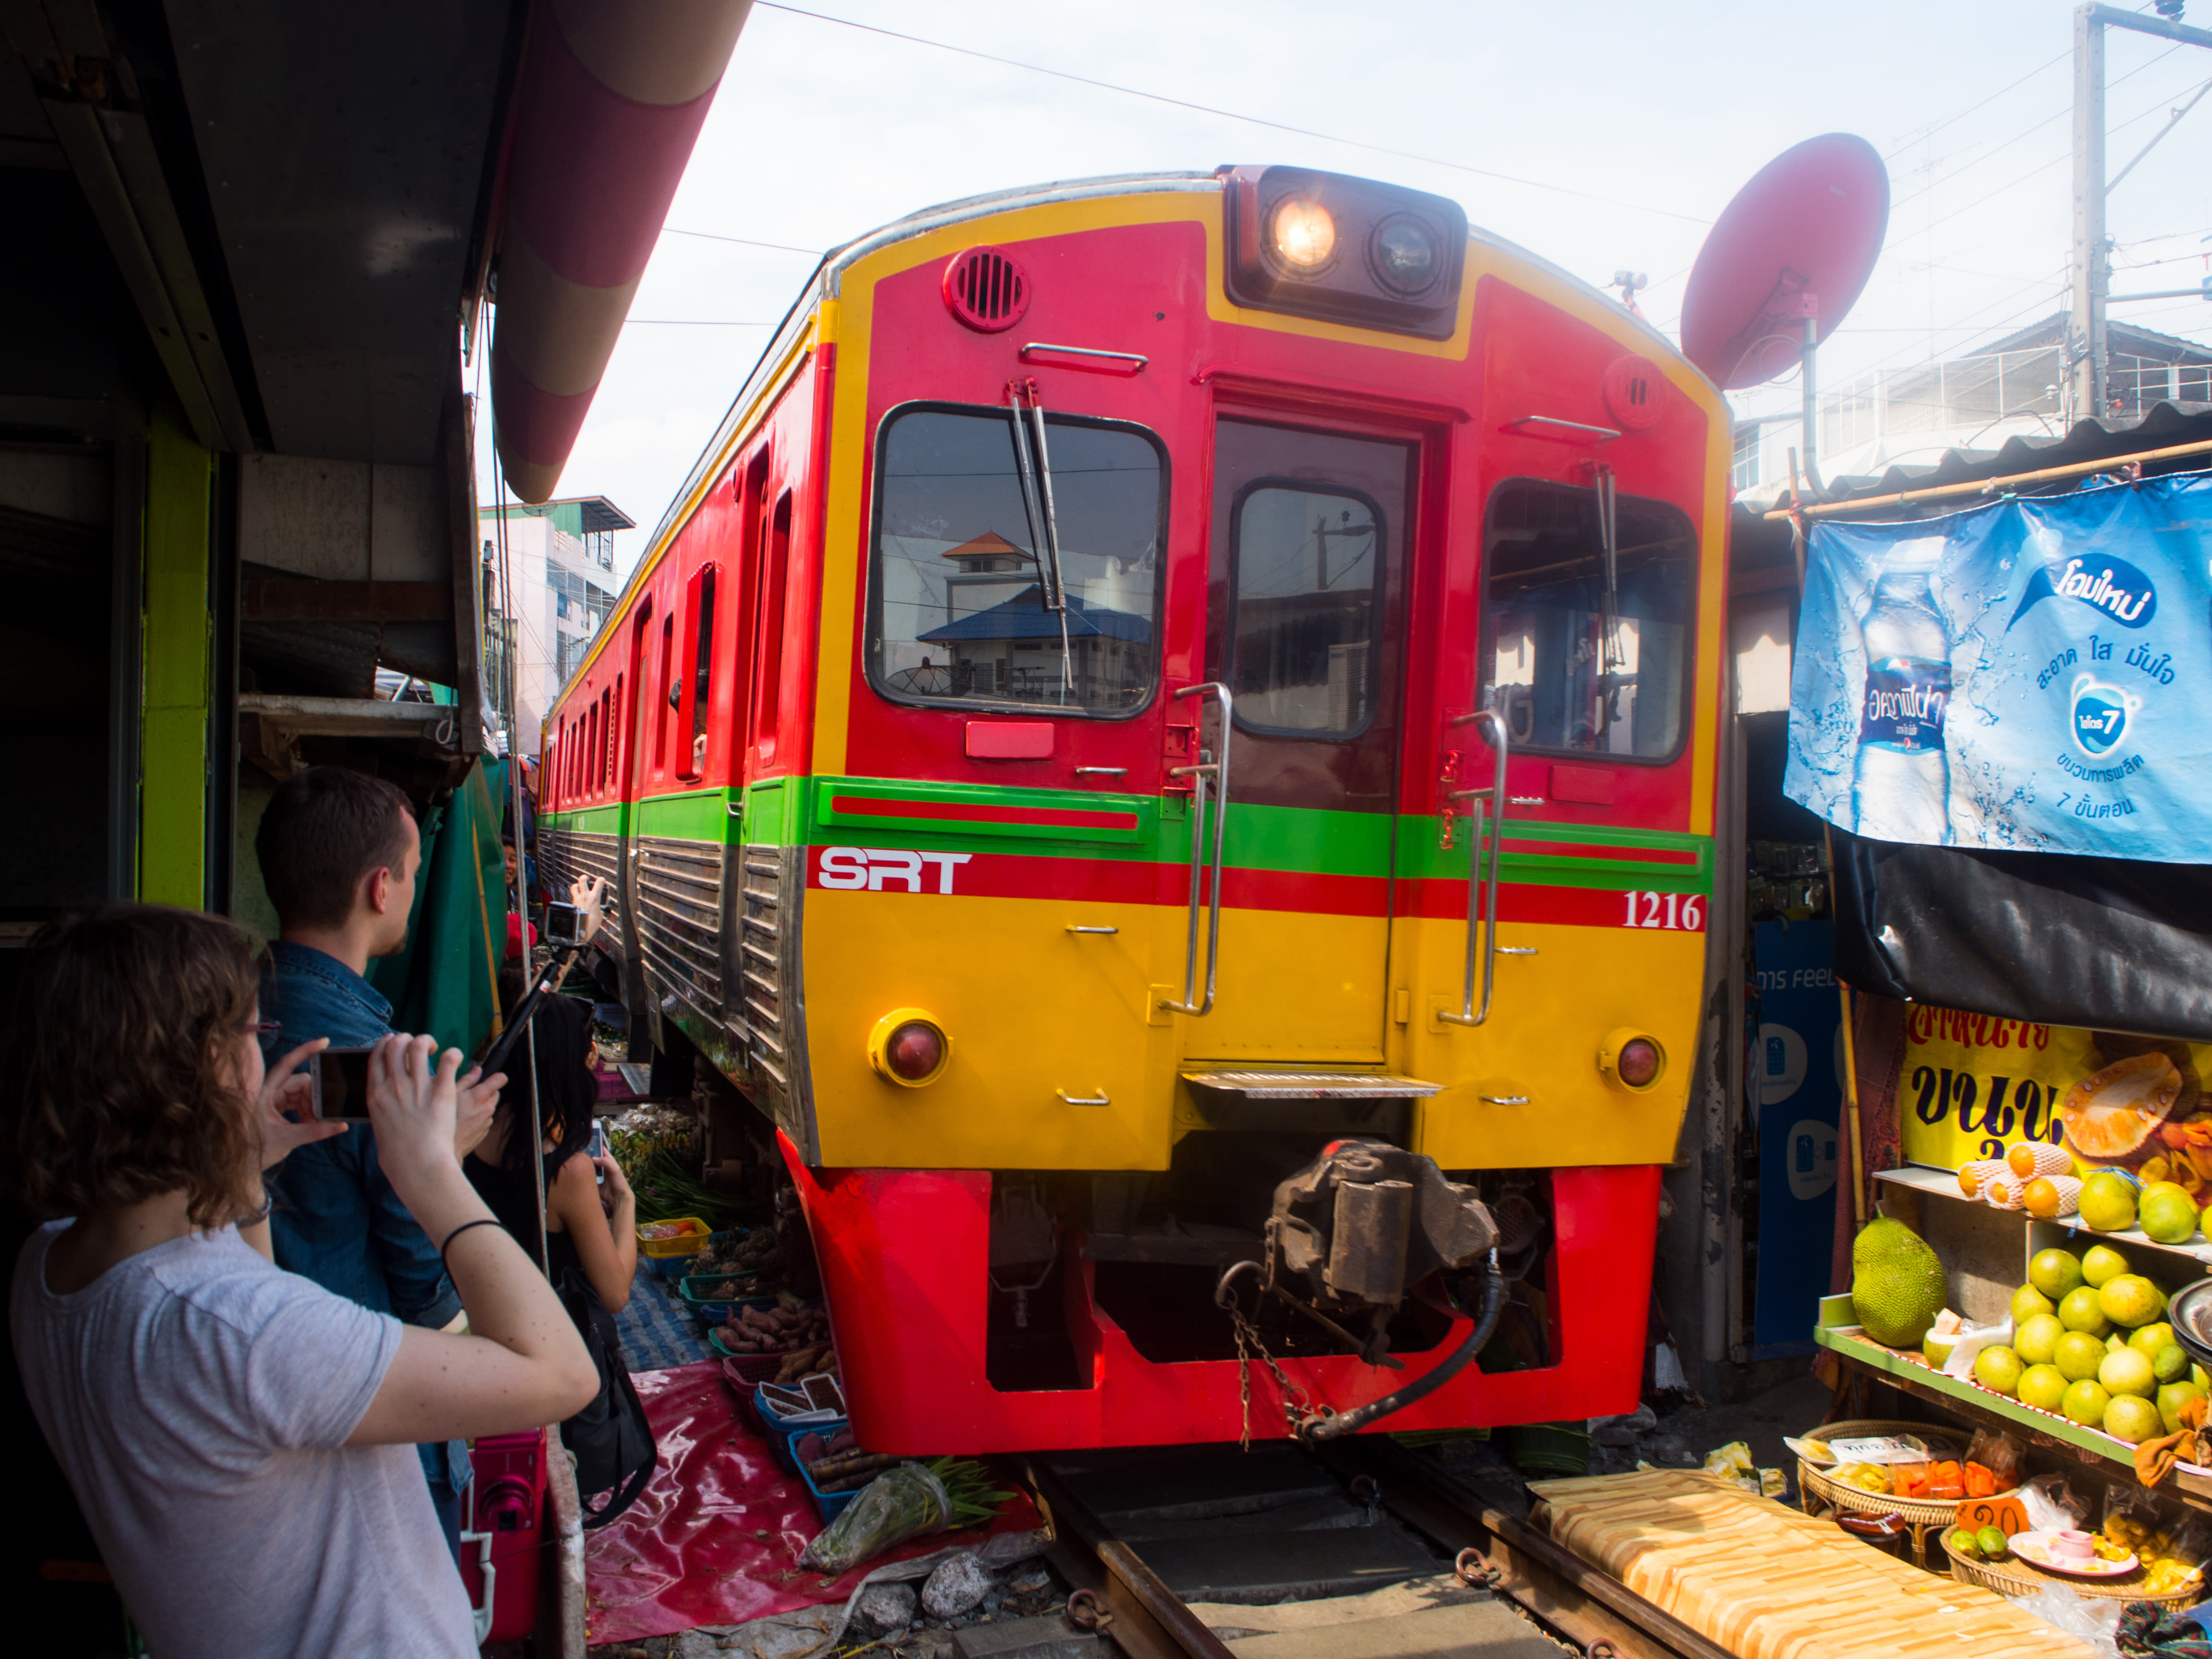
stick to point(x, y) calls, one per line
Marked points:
point(199, 1400)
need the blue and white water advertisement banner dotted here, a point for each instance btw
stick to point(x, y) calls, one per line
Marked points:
point(2033, 674)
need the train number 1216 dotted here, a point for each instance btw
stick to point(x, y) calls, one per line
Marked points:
point(1684, 912)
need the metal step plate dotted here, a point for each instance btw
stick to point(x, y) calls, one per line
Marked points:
point(1313, 1086)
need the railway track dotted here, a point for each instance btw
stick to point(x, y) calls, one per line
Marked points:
point(1356, 1550)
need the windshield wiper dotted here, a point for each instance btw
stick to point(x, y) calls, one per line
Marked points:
point(1035, 475)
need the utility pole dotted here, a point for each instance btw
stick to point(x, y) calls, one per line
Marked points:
point(2090, 269)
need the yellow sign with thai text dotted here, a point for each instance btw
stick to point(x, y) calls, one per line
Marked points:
point(1975, 1087)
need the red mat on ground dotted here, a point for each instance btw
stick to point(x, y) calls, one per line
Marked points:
point(716, 1537)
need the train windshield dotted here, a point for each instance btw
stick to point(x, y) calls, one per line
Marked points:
point(957, 597)
point(1586, 649)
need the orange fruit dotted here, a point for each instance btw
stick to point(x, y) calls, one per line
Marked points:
point(2042, 1200)
point(2111, 1113)
point(2021, 1159)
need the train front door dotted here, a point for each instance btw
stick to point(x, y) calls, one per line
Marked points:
point(1307, 598)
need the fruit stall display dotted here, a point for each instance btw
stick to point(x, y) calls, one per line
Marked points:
point(2081, 1353)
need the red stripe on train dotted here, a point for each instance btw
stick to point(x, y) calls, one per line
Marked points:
point(947, 811)
point(1104, 881)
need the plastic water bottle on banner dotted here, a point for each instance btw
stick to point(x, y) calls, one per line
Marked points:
point(1902, 787)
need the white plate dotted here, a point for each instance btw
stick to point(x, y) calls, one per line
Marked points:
point(2034, 1548)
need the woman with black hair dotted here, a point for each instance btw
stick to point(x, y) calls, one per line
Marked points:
point(591, 1215)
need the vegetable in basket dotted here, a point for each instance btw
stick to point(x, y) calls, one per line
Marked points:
point(906, 1502)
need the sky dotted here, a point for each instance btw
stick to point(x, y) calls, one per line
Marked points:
point(1601, 136)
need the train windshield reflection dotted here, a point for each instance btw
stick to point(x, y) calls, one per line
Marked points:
point(957, 606)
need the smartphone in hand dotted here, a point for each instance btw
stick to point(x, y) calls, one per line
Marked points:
point(600, 1147)
point(341, 1085)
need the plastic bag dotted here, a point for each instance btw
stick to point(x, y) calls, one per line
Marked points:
point(1967, 1345)
point(2004, 1457)
point(899, 1503)
point(2089, 1620)
point(2052, 1506)
point(2130, 1517)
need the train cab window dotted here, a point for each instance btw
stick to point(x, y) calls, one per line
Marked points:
point(1305, 565)
point(1586, 640)
point(958, 592)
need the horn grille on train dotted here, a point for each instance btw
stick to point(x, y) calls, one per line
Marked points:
point(985, 289)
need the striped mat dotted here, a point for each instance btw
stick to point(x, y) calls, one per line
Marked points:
point(656, 1330)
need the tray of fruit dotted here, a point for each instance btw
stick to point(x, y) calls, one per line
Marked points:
point(2090, 1344)
point(2013, 1566)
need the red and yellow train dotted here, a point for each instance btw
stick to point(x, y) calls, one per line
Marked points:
point(1155, 678)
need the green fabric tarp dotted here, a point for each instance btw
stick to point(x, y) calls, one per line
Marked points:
point(445, 982)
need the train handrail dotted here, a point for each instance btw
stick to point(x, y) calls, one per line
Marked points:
point(1200, 774)
point(1479, 912)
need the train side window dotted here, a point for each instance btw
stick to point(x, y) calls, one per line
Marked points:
point(956, 588)
point(1583, 654)
point(669, 693)
point(697, 669)
point(768, 650)
point(1305, 571)
point(596, 757)
point(609, 746)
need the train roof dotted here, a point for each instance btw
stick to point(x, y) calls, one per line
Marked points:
point(827, 282)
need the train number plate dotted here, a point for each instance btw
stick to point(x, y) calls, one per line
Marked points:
point(1680, 912)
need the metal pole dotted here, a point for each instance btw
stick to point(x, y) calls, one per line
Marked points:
point(2085, 329)
point(1810, 374)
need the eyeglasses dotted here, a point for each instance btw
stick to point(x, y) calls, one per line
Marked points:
point(262, 1027)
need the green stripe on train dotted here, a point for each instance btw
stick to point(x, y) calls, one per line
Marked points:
point(1295, 840)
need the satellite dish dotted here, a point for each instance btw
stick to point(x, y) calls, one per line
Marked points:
point(1798, 241)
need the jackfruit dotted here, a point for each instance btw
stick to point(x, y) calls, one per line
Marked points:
point(1898, 1286)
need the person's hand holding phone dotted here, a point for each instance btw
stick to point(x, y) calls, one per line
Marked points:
point(614, 1188)
point(479, 1098)
point(415, 1110)
point(286, 1087)
point(588, 894)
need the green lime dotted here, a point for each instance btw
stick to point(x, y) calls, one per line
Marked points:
point(2086, 1402)
point(1998, 1367)
point(2037, 1339)
point(2172, 1363)
point(2054, 1272)
point(2101, 1262)
point(2043, 1387)
point(2080, 1311)
point(2027, 1302)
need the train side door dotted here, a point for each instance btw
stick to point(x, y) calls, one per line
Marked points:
point(1307, 627)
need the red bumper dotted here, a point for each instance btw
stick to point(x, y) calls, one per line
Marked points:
point(903, 1255)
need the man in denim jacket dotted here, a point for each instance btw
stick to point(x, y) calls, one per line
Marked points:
point(339, 853)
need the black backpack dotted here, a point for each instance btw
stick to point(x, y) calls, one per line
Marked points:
point(613, 1442)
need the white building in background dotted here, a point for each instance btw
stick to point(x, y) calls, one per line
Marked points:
point(2014, 389)
point(562, 556)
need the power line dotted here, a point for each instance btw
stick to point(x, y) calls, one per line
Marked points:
point(1232, 115)
point(1923, 137)
point(689, 322)
point(742, 241)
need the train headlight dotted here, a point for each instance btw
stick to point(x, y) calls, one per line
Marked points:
point(1631, 1059)
point(909, 1047)
point(1303, 233)
point(1405, 255)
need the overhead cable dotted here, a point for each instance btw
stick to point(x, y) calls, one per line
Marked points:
point(1233, 115)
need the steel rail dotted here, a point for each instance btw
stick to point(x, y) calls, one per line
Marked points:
point(1583, 1602)
point(1149, 1620)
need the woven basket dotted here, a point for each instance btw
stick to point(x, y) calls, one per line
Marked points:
point(1917, 1511)
point(2021, 1578)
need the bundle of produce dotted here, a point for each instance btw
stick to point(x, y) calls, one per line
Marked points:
point(746, 1256)
point(907, 1501)
point(800, 1333)
point(665, 1187)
